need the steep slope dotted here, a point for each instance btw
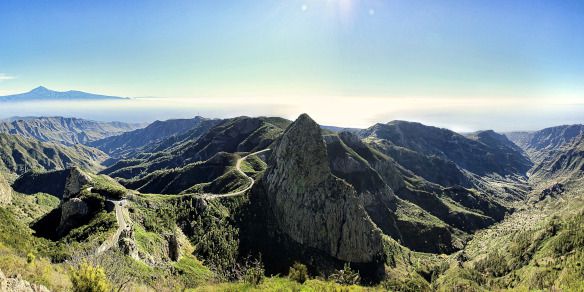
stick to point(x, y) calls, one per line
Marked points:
point(557, 152)
point(563, 163)
point(191, 177)
point(241, 134)
point(538, 248)
point(19, 155)
point(475, 156)
point(69, 131)
point(143, 140)
point(313, 207)
point(51, 182)
point(43, 94)
point(428, 217)
point(540, 144)
point(506, 148)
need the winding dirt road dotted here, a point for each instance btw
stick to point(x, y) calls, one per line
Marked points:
point(120, 206)
point(238, 168)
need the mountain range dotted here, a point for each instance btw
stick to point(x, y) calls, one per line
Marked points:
point(43, 94)
point(68, 131)
point(408, 207)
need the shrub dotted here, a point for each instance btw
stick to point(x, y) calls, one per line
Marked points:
point(30, 257)
point(299, 273)
point(346, 276)
point(89, 278)
point(254, 272)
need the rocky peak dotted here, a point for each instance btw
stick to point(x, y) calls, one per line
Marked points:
point(75, 182)
point(312, 206)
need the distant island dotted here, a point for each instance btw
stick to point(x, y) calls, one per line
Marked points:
point(43, 94)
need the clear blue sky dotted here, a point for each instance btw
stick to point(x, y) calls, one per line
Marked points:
point(286, 48)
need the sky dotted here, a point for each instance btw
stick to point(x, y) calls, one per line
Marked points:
point(465, 65)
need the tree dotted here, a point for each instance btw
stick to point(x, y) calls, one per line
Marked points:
point(89, 278)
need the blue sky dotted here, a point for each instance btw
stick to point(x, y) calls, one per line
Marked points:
point(284, 49)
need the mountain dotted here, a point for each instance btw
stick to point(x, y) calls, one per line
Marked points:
point(312, 208)
point(396, 207)
point(43, 94)
point(493, 157)
point(150, 137)
point(560, 163)
point(68, 131)
point(540, 144)
point(19, 155)
point(242, 134)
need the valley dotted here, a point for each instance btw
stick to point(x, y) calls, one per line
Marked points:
point(245, 203)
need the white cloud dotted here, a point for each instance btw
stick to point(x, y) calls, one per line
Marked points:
point(4, 77)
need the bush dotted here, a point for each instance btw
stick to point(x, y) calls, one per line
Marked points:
point(346, 276)
point(89, 278)
point(254, 272)
point(299, 273)
point(30, 257)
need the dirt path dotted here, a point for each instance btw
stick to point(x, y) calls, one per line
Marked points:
point(119, 207)
point(238, 168)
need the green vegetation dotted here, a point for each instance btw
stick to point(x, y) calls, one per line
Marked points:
point(28, 208)
point(346, 276)
point(22, 155)
point(107, 187)
point(285, 284)
point(299, 273)
point(89, 278)
point(98, 229)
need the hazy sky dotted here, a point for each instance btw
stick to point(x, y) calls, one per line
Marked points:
point(426, 58)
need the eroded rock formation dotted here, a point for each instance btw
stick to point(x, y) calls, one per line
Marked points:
point(312, 206)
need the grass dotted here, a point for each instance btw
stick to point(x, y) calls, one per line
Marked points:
point(192, 272)
point(284, 284)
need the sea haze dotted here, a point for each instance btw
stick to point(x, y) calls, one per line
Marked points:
point(342, 112)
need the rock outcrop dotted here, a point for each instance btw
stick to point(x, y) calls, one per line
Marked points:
point(313, 207)
point(16, 284)
point(127, 243)
point(5, 192)
point(70, 212)
point(75, 182)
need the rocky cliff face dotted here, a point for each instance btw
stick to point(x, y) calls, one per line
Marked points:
point(70, 212)
point(5, 192)
point(312, 206)
point(75, 181)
